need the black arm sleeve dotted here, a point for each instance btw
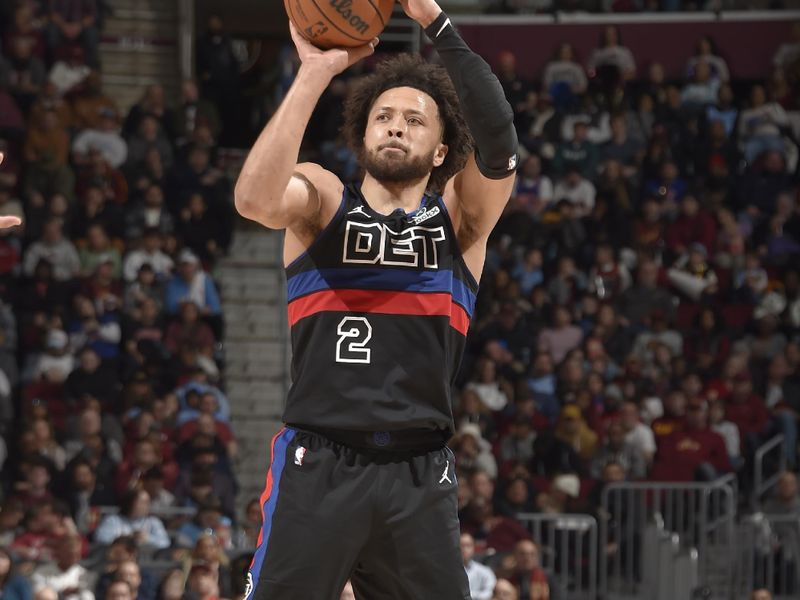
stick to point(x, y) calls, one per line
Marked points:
point(483, 102)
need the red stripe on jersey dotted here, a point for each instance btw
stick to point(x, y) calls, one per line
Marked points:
point(380, 302)
point(268, 485)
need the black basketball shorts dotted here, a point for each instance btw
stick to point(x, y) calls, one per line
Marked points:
point(387, 520)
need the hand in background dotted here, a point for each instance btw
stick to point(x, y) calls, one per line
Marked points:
point(6, 222)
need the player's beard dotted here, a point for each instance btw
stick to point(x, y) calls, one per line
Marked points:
point(392, 169)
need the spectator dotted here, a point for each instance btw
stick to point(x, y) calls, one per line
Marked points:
point(55, 364)
point(645, 296)
point(572, 429)
point(209, 552)
point(472, 451)
point(191, 282)
point(694, 453)
point(150, 253)
point(611, 53)
point(85, 496)
point(706, 52)
point(91, 105)
point(134, 519)
point(121, 554)
point(622, 148)
point(202, 584)
point(505, 590)
point(618, 450)
point(530, 579)
point(492, 533)
point(200, 231)
point(608, 278)
point(153, 483)
point(533, 191)
point(97, 172)
point(724, 110)
point(761, 594)
point(119, 590)
point(72, 21)
point(91, 379)
point(99, 249)
point(761, 126)
point(191, 113)
point(562, 337)
point(46, 153)
point(25, 73)
point(693, 225)
point(674, 415)
point(728, 430)
point(702, 90)
point(55, 249)
point(518, 497)
point(692, 275)
point(786, 498)
point(149, 214)
point(249, 528)
point(64, 575)
point(105, 139)
point(578, 192)
point(151, 104)
point(578, 153)
point(518, 91)
point(13, 586)
point(218, 74)
point(564, 70)
point(148, 136)
point(481, 578)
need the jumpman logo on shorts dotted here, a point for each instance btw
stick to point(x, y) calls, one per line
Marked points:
point(445, 476)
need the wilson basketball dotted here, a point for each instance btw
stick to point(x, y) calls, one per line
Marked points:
point(336, 23)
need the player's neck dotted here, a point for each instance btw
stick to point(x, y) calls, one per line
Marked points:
point(385, 197)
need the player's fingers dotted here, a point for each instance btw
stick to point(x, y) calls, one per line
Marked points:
point(360, 52)
point(2, 156)
point(6, 222)
point(299, 40)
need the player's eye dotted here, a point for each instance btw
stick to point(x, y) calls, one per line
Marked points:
point(414, 121)
point(382, 117)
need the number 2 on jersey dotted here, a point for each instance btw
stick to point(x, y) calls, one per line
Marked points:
point(354, 334)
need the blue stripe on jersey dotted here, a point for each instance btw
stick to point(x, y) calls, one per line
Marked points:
point(400, 280)
point(268, 510)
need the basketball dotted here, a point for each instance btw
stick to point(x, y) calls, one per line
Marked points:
point(337, 23)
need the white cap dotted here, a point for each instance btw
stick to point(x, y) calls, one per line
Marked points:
point(568, 484)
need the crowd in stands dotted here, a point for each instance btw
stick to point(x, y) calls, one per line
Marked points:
point(116, 447)
point(513, 7)
point(639, 310)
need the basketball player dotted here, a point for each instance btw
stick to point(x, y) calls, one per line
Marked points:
point(382, 279)
point(6, 222)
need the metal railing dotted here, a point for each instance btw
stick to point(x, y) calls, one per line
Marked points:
point(568, 548)
point(634, 520)
point(769, 547)
point(762, 481)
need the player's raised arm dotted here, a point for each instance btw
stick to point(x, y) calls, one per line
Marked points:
point(478, 194)
point(272, 188)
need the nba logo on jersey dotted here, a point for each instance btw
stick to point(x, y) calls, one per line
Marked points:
point(299, 456)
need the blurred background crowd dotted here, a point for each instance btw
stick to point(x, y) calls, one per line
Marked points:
point(638, 315)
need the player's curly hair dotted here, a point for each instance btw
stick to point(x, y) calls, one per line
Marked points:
point(408, 70)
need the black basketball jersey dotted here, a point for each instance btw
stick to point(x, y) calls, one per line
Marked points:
point(379, 308)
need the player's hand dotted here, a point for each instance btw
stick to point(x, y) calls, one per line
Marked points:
point(332, 61)
point(423, 12)
point(6, 222)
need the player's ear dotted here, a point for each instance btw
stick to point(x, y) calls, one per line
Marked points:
point(439, 155)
